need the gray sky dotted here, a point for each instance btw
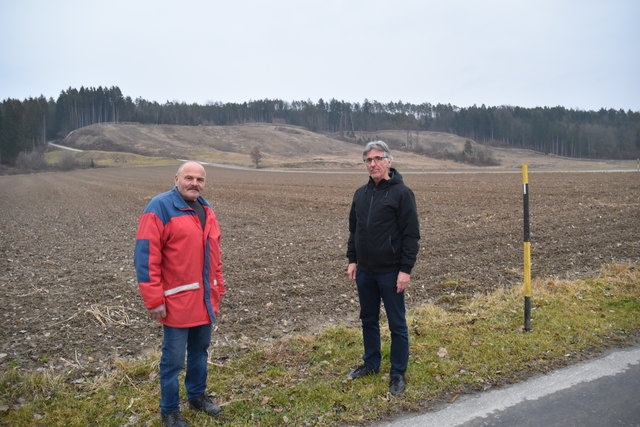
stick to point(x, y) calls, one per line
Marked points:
point(581, 54)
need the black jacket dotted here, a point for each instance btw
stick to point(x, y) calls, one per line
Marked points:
point(383, 226)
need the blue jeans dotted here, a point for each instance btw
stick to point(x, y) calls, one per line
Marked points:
point(371, 289)
point(195, 341)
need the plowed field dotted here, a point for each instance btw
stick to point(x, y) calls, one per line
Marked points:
point(67, 285)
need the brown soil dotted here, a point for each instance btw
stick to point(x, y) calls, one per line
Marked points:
point(70, 301)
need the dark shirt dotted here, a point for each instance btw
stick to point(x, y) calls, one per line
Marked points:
point(196, 206)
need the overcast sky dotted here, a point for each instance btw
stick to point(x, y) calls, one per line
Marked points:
point(581, 54)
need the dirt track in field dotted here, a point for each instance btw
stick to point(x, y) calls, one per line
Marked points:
point(70, 301)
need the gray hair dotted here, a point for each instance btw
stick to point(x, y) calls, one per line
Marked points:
point(377, 145)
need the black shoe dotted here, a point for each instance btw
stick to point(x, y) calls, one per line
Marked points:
point(174, 419)
point(361, 371)
point(204, 404)
point(396, 384)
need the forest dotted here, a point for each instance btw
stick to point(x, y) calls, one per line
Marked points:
point(27, 125)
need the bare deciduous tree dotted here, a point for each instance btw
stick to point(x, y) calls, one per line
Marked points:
point(256, 156)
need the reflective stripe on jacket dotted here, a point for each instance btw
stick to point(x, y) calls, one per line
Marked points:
point(177, 263)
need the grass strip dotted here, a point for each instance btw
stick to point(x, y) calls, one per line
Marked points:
point(475, 344)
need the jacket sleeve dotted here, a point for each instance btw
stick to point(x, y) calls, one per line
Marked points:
point(148, 259)
point(410, 231)
point(216, 254)
point(351, 244)
point(219, 276)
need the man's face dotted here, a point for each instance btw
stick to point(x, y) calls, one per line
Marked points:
point(190, 181)
point(378, 169)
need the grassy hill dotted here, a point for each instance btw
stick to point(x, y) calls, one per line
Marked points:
point(291, 147)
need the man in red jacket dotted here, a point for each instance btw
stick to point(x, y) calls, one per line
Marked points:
point(179, 270)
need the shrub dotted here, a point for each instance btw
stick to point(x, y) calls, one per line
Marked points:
point(31, 161)
point(67, 162)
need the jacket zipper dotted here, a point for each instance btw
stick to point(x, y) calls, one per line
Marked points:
point(370, 208)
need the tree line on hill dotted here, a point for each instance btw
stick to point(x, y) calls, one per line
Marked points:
point(29, 124)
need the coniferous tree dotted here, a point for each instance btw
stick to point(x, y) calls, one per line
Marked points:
point(29, 124)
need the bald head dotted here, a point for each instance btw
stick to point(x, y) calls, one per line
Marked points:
point(190, 165)
point(190, 180)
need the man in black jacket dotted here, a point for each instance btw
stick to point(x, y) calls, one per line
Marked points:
point(382, 249)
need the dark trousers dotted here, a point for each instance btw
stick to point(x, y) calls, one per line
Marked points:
point(371, 289)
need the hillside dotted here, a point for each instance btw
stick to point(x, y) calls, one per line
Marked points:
point(290, 147)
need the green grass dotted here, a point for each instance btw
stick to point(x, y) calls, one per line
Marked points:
point(106, 158)
point(474, 345)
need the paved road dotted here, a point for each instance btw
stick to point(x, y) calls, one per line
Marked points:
point(602, 392)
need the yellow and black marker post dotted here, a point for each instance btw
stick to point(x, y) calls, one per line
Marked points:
point(527, 250)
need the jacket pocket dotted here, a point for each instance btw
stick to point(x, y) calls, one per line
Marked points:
point(185, 306)
point(391, 245)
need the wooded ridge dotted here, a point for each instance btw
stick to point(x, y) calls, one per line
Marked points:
point(605, 134)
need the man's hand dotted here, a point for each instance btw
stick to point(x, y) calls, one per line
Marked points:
point(158, 312)
point(403, 281)
point(351, 271)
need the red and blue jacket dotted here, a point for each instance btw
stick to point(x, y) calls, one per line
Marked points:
point(177, 262)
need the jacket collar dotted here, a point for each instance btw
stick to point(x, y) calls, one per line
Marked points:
point(394, 178)
point(180, 203)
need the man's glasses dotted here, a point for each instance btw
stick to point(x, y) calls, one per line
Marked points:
point(378, 159)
